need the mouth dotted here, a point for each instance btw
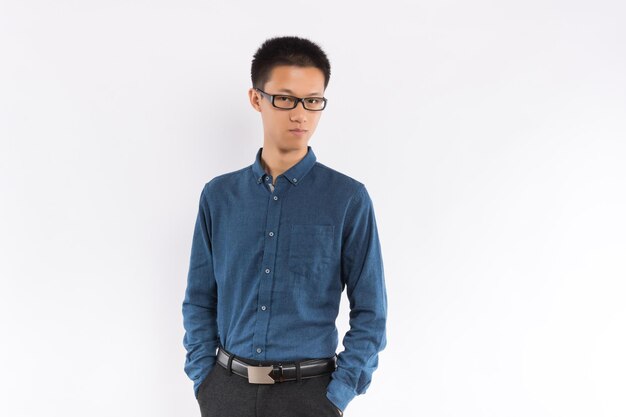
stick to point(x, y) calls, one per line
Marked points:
point(298, 132)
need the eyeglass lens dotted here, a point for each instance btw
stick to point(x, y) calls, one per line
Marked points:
point(288, 102)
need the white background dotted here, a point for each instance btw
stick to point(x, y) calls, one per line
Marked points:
point(491, 136)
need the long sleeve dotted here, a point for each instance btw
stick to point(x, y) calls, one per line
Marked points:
point(200, 303)
point(363, 274)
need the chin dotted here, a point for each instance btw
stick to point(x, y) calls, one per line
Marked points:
point(291, 145)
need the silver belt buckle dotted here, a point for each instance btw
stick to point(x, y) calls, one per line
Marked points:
point(260, 374)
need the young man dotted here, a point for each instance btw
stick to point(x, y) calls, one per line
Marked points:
point(274, 246)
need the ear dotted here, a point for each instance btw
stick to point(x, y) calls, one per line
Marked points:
point(255, 99)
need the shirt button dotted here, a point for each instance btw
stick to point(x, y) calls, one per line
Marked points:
point(271, 233)
point(295, 180)
point(259, 350)
point(267, 270)
point(263, 308)
point(275, 197)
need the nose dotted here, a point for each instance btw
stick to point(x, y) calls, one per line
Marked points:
point(298, 113)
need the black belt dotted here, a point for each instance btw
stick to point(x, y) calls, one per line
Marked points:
point(272, 372)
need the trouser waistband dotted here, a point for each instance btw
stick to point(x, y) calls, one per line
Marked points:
point(270, 372)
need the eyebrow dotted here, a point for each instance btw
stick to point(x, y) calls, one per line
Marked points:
point(286, 90)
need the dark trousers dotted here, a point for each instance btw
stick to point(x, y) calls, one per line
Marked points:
point(223, 394)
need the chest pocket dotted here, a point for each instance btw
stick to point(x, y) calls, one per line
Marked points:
point(310, 249)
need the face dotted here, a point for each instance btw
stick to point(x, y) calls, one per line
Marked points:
point(279, 123)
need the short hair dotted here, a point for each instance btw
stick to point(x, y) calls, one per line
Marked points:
point(287, 50)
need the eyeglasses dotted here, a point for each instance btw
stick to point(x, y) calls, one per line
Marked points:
point(285, 102)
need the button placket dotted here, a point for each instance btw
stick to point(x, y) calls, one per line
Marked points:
point(270, 247)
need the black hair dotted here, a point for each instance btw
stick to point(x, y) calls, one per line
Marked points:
point(287, 50)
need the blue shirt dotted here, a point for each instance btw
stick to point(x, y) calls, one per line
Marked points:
point(268, 266)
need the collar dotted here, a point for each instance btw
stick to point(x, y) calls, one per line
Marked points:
point(293, 174)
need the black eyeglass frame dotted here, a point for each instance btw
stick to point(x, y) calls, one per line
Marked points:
point(296, 99)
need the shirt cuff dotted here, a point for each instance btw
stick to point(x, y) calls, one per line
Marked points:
point(199, 381)
point(339, 394)
point(196, 386)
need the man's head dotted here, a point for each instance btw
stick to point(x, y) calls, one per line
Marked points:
point(291, 66)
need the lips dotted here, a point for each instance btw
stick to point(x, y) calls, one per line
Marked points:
point(300, 133)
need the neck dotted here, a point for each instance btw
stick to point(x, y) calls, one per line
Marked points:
point(275, 160)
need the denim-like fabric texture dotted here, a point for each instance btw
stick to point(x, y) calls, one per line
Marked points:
point(267, 269)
